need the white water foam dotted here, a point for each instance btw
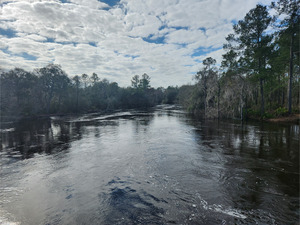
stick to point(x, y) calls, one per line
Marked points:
point(7, 130)
point(4, 220)
point(221, 209)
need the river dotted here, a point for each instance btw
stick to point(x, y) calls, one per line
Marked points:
point(158, 166)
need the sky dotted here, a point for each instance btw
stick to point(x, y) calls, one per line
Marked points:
point(167, 39)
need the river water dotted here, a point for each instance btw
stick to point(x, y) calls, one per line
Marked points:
point(148, 167)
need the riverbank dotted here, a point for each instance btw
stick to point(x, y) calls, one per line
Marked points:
point(294, 118)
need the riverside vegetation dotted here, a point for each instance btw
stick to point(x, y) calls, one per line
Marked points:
point(258, 78)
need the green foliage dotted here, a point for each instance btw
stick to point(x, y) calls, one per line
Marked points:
point(255, 69)
point(171, 94)
point(289, 36)
point(49, 91)
point(267, 115)
point(252, 113)
point(145, 82)
point(281, 111)
point(135, 81)
point(249, 48)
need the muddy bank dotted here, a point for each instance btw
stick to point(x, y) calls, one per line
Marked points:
point(295, 118)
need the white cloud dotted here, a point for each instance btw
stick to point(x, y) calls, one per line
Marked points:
point(90, 36)
point(185, 36)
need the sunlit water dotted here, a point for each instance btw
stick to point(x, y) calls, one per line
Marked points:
point(148, 167)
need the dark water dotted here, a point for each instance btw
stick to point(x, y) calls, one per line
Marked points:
point(154, 167)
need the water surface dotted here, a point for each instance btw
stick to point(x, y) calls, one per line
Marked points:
point(148, 167)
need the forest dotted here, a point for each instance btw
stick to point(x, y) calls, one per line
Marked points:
point(259, 74)
point(49, 91)
point(257, 78)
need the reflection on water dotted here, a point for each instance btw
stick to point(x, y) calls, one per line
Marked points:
point(148, 167)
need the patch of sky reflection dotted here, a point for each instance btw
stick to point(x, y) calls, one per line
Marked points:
point(55, 128)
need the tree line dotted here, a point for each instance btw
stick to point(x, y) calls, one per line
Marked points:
point(259, 74)
point(258, 77)
point(49, 90)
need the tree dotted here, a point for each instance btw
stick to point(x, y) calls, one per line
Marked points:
point(9, 97)
point(54, 83)
point(85, 78)
point(207, 80)
point(290, 25)
point(49, 90)
point(234, 84)
point(144, 82)
point(208, 62)
point(76, 80)
point(94, 78)
point(252, 49)
point(171, 94)
point(135, 81)
point(23, 89)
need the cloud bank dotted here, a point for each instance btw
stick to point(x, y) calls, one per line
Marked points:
point(167, 39)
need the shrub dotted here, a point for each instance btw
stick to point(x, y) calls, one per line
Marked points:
point(281, 111)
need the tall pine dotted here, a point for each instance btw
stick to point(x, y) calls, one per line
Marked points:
point(289, 35)
point(249, 48)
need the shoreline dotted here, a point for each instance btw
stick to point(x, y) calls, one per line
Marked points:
point(294, 118)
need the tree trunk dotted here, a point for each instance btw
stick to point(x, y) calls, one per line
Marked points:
point(256, 96)
point(242, 102)
point(77, 98)
point(291, 75)
point(49, 99)
point(205, 97)
point(219, 91)
point(246, 107)
point(48, 105)
point(278, 92)
point(262, 106)
point(262, 103)
point(298, 98)
point(59, 102)
point(282, 103)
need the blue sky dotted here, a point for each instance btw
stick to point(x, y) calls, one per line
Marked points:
point(167, 39)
